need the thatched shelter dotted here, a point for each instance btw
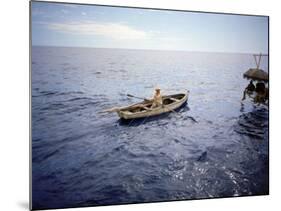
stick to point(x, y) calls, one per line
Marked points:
point(256, 74)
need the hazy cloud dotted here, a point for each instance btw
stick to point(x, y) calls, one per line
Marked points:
point(109, 30)
point(71, 5)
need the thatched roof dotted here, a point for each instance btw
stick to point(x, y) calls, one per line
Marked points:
point(256, 74)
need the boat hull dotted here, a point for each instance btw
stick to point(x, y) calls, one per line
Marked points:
point(126, 114)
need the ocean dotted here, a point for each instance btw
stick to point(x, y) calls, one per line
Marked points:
point(214, 146)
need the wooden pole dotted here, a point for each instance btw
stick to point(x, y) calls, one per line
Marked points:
point(258, 62)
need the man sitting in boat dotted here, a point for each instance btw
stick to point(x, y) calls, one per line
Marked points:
point(259, 92)
point(262, 93)
point(249, 89)
point(157, 99)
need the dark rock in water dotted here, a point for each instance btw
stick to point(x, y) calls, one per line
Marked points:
point(202, 157)
point(191, 118)
point(97, 72)
point(176, 140)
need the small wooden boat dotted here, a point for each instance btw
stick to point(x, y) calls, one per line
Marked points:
point(143, 109)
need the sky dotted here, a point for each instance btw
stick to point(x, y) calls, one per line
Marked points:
point(74, 25)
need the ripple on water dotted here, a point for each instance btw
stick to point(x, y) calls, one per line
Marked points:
point(209, 148)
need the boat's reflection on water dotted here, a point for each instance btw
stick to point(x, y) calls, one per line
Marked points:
point(254, 123)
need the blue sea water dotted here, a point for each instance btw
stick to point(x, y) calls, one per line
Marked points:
point(212, 147)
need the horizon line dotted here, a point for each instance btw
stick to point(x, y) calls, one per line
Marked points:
point(195, 51)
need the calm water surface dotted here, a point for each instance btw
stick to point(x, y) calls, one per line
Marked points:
point(212, 147)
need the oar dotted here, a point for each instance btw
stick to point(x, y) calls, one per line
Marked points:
point(129, 95)
point(114, 109)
